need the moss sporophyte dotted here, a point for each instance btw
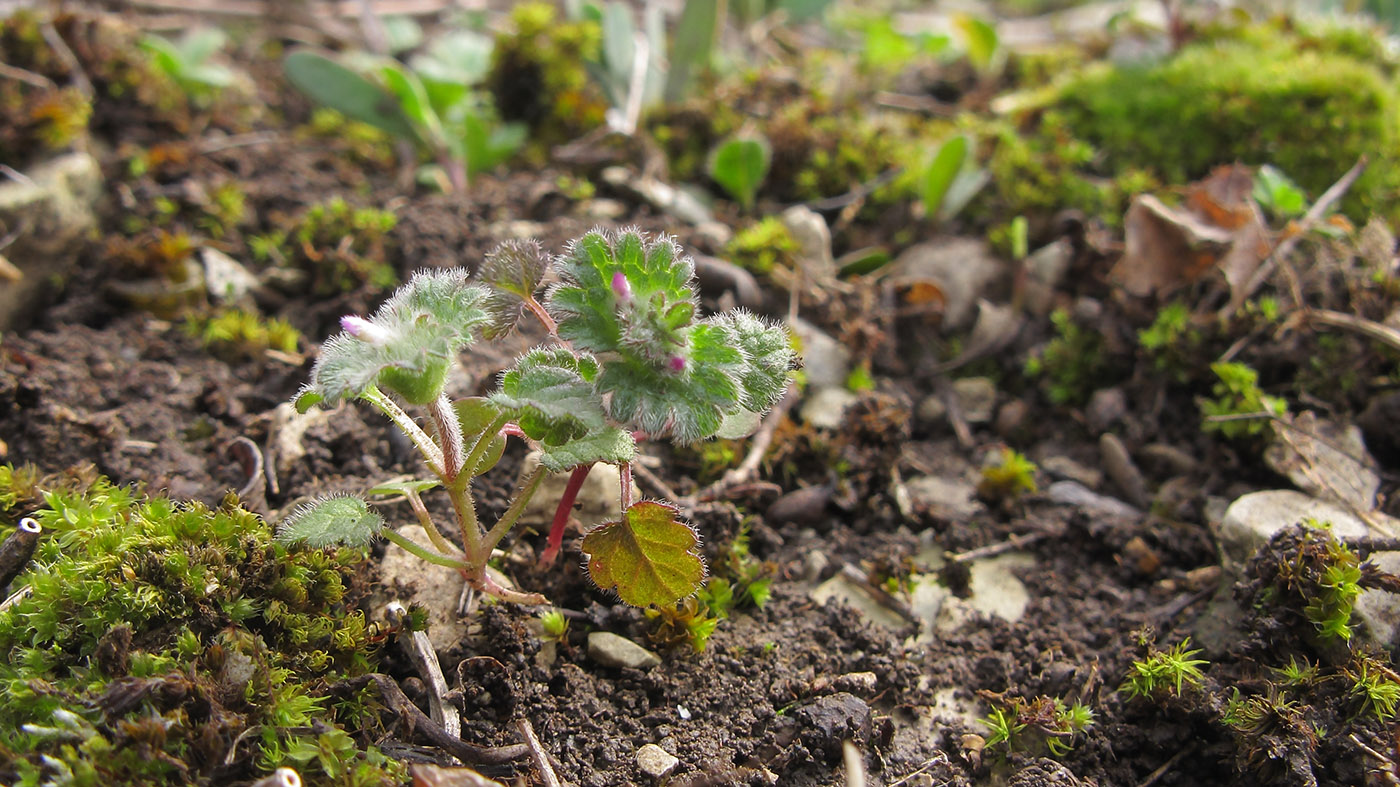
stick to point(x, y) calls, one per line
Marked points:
point(626, 359)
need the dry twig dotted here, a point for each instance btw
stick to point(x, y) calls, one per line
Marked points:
point(417, 720)
point(537, 753)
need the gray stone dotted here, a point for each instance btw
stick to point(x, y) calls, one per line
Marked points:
point(611, 650)
point(50, 214)
point(436, 588)
point(1062, 467)
point(825, 361)
point(1076, 494)
point(225, 279)
point(1107, 406)
point(1252, 520)
point(599, 499)
point(813, 237)
point(961, 268)
point(814, 565)
point(977, 398)
point(1167, 459)
point(944, 498)
point(931, 411)
point(656, 762)
point(1379, 609)
point(996, 590)
point(825, 408)
point(1045, 267)
point(1119, 465)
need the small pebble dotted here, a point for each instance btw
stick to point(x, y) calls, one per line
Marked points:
point(1118, 463)
point(656, 762)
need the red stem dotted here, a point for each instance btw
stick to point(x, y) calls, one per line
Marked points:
point(561, 514)
point(624, 472)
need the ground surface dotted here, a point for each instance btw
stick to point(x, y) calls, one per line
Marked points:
point(773, 694)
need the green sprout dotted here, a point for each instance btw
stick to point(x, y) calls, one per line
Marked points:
point(1164, 673)
point(189, 61)
point(1239, 409)
point(1047, 722)
point(1374, 688)
point(1009, 478)
point(554, 625)
point(627, 359)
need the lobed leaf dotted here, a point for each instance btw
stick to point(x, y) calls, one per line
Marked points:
point(410, 342)
point(331, 521)
point(612, 445)
point(768, 356)
point(648, 557)
point(551, 394)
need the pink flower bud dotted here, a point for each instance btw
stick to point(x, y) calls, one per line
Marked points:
point(677, 364)
point(364, 330)
point(621, 287)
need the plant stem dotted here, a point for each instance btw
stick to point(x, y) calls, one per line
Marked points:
point(426, 520)
point(425, 445)
point(449, 431)
point(517, 506)
point(543, 316)
point(561, 513)
point(465, 507)
point(624, 472)
point(423, 552)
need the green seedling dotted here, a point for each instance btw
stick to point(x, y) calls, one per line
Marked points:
point(554, 625)
point(763, 246)
point(690, 622)
point(435, 104)
point(1320, 573)
point(950, 179)
point(1009, 478)
point(1374, 688)
point(1164, 673)
point(627, 359)
point(1046, 722)
point(1278, 194)
point(1074, 363)
point(1239, 409)
point(739, 166)
point(189, 61)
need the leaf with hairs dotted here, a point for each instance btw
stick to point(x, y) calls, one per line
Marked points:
point(647, 557)
point(331, 521)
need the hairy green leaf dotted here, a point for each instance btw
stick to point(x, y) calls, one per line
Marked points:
point(331, 521)
point(768, 356)
point(611, 445)
point(550, 391)
point(397, 488)
point(641, 313)
point(739, 166)
point(407, 345)
point(513, 271)
point(331, 84)
point(648, 557)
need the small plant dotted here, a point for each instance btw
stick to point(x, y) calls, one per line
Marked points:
point(1312, 568)
point(554, 625)
point(950, 179)
point(1164, 673)
point(1172, 341)
point(739, 166)
point(434, 105)
point(690, 622)
point(1295, 675)
point(1008, 479)
point(1374, 688)
point(245, 334)
point(1046, 722)
point(763, 246)
point(627, 359)
point(340, 246)
point(189, 61)
point(1238, 394)
point(1074, 362)
point(1277, 194)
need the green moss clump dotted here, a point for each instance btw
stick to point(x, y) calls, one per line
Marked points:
point(155, 634)
point(1073, 364)
point(1260, 98)
point(342, 248)
point(538, 76)
point(238, 333)
point(764, 245)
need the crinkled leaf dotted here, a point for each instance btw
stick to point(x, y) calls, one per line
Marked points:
point(550, 392)
point(476, 414)
point(648, 557)
point(768, 357)
point(417, 334)
point(691, 402)
point(646, 321)
point(402, 486)
point(611, 445)
point(331, 521)
point(513, 271)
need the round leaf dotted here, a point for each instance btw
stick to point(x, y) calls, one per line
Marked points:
point(647, 557)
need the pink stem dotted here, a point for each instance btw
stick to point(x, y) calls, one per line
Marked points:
point(561, 514)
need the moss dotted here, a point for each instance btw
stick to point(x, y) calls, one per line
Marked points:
point(237, 333)
point(764, 245)
point(538, 76)
point(341, 247)
point(1262, 97)
point(155, 634)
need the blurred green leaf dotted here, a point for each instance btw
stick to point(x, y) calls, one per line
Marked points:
point(739, 166)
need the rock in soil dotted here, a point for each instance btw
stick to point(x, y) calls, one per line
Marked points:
point(610, 650)
point(829, 720)
point(656, 762)
point(436, 588)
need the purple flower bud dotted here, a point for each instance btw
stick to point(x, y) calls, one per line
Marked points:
point(364, 330)
point(677, 364)
point(621, 287)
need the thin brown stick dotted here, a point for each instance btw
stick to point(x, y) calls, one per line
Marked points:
point(653, 480)
point(1156, 776)
point(1280, 252)
point(18, 550)
point(537, 753)
point(1368, 328)
point(992, 550)
point(420, 652)
point(18, 74)
point(418, 721)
